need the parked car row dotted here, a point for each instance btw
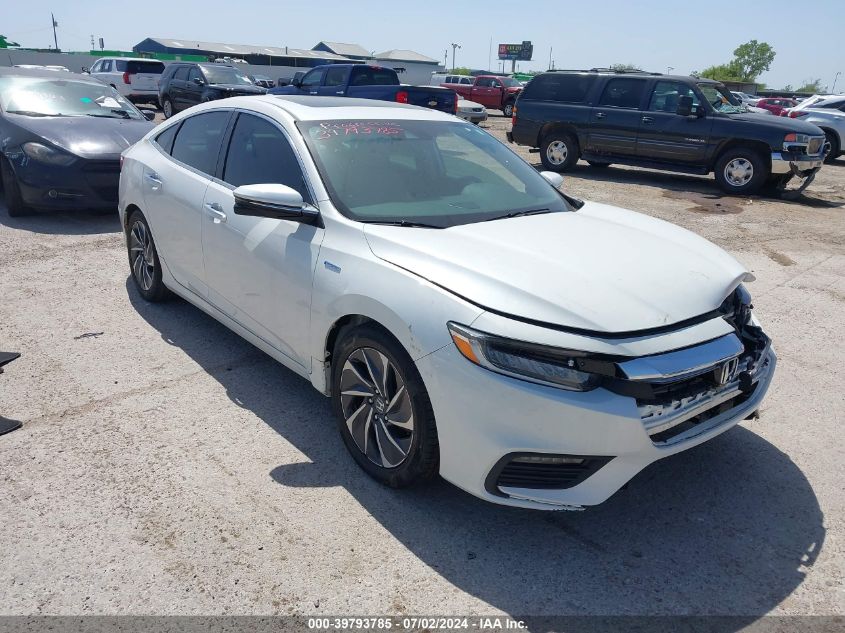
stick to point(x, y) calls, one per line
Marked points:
point(676, 123)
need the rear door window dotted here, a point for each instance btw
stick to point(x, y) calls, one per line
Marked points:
point(198, 141)
point(336, 76)
point(572, 88)
point(120, 65)
point(623, 92)
point(181, 73)
point(105, 66)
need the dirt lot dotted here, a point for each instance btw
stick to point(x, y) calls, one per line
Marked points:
point(166, 466)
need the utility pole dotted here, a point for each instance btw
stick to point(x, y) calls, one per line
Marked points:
point(454, 48)
point(446, 59)
point(551, 65)
point(55, 24)
point(833, 90)
point(490, 55)
point(669, 69)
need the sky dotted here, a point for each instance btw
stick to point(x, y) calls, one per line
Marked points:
point(687, 35)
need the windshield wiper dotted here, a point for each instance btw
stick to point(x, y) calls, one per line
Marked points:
point(405, 223)
point(517, 214)
point(30, 113)
point(123, 114)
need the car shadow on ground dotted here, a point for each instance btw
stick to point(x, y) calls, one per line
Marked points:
point(63, 222)
point(730, 527)
point(676, 185)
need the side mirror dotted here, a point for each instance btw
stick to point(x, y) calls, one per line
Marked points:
point(684, 105)
point(553, 178)
point(275, 201)
point(700, 112)
point(149, 115)
point(85, 70)
point(297, 79)
point(199, 81)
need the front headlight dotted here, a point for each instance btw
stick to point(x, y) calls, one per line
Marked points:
point(47, 155)
point(527, 361)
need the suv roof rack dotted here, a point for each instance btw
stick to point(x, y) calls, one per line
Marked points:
point(615, 71)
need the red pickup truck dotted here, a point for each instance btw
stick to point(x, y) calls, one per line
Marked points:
point(491, 91)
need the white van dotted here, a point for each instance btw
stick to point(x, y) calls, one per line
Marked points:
point(443, 79)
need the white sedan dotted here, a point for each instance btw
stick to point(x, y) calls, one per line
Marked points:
point(465, 317)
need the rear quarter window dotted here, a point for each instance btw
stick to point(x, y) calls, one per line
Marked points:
point(559, 87)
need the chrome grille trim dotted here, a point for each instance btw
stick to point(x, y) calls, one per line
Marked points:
point(682, 363)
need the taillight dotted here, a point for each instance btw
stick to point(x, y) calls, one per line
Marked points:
point(798, 113)
point(513, 118)
point(126, 77)
point(402, 96)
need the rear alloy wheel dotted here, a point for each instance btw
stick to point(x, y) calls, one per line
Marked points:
point(384, 414)
point(143, 259)
point(740, 171)
point(15, 206)
point(167, 108)
point(558, 151)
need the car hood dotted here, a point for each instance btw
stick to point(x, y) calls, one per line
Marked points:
point(784, 123)
point(239, 88)
point(89, 137)
point(601, 269)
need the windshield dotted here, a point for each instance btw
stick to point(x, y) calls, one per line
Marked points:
point(510, 83)
point(39, 96)
point(225, 75)
point(437, 173)
point(721, 99)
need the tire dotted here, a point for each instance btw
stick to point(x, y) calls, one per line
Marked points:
point(593, 163)
point(167, 107)
point(740, 171)
point(835, 148)
point(15, 206)
point(559, 151)
point(508, 109)
point(398, 454)
point(144, 263)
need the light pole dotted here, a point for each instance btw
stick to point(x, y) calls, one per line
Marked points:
point(833, 90)
point(669, 69)
point(454, 48)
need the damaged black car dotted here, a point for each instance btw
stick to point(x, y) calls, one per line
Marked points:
point(61, 139)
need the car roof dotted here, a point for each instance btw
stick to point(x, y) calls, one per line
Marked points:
point(308, 108)
point(47, 74)
point(638, 75)
point(133, 59)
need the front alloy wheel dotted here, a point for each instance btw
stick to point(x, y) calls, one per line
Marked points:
point(383, 411)
point(377, 407)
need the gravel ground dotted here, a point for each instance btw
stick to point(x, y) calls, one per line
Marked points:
point(168, 467)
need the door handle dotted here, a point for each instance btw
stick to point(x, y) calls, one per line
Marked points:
point(216, 212)
point(154, 180)
point(600, 115)
point(648, 119)
point(339, 92)
point(313, 92)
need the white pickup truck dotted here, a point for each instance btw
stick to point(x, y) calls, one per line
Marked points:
point(135, 78)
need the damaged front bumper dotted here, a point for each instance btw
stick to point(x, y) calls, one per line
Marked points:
point(789, 165)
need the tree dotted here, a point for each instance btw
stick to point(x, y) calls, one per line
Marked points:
point(723, 72)
point(752, 59)
point(624, 67)
point(811, 85)
point(787, 88)
point(461, 71)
